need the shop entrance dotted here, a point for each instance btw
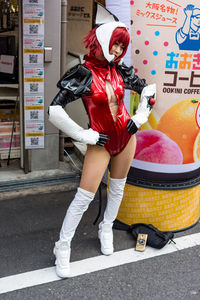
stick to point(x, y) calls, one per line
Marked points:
point(10, 121)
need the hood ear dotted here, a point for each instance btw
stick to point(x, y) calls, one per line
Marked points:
point(102, 15)
point(107, 23)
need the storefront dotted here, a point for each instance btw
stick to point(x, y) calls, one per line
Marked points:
point(30, 60)
point(10, 148)
point(39, 41)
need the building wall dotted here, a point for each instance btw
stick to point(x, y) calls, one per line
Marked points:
point(48, 158)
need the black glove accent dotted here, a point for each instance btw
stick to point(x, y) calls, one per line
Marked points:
point(132, 128)
point(103, 138)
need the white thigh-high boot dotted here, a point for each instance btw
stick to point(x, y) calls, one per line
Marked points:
point(73, 216)
point(116, 189)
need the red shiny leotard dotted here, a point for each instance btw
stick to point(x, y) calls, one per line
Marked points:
point(97, 106)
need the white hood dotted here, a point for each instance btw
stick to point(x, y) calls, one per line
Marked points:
point(104, 33)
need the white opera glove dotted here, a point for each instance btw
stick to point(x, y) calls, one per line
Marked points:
point(144, 109)
point(59, 118)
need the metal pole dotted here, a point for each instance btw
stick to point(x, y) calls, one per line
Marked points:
point(63, 55)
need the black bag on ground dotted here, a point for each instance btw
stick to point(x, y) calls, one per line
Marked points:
point(156, 238)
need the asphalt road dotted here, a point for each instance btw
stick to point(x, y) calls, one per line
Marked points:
point(30, 225)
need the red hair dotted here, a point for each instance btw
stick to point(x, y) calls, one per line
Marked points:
point(90, 42)
point(120, 34)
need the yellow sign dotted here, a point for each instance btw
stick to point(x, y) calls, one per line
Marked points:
point(33, 50)
point(31, 20)
point(33, 79)
point(35, 134)
point(34, 107)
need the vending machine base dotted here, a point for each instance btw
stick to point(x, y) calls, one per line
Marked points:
point(168, 210)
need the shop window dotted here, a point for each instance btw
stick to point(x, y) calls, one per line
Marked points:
point(9, 87)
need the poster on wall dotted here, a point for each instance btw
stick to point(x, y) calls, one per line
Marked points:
point(34, 2)
point(33, 81)
point(33, 61)
point(165, 50)
point(34, 106)
point(79, 22)
point(33, 17)
point(33, 51)
point(34, 135)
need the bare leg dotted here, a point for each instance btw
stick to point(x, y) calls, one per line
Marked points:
point(120, 163)
point(95, 164)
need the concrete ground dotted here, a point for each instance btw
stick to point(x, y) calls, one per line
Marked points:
point(29, 226)
point(32, 209)
point(14, 182)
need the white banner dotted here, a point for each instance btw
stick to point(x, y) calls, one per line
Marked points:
point(33, 61)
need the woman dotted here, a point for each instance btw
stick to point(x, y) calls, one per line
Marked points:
point(100, 81)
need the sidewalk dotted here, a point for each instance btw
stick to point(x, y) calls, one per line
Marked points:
point(30, 226)
point(15, 183)
point(31, 218)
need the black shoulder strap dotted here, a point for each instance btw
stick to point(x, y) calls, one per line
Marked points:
point(74, 84)
point(78, 80)
point(132, 81)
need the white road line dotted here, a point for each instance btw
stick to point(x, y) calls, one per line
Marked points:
point(93, 264)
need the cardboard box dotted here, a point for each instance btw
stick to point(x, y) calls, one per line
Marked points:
point(6, 127)
point(79, 17)
point(5, 139)
point(8, 114)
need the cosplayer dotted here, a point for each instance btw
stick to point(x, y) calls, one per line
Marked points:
point(100, 81)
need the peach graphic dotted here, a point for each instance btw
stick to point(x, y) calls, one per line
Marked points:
point(155, 146)
point(179, 124)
